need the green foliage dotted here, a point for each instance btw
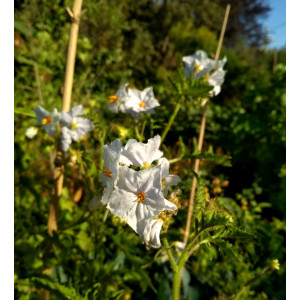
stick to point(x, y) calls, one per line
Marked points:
point(94, 255)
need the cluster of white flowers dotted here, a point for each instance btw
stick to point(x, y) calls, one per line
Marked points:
point(73, 127)
point(199, 66)
point(133, 101)
point(137, 195)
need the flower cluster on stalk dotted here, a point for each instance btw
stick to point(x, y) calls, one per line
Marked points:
point(136, 180)
point(73, 127)
point(199, 65)
point(133, 101)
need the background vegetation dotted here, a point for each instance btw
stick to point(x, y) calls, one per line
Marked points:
point(93, 254)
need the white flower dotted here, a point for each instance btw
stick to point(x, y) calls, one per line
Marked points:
point(167, 179)
point(117, 102)
point(111, 156)
point(138, 197)
point(179, 246)
point(31, 132)
point(46, 119)
point(200, 66)
point(74, 127)
point(140, 102)
point(197, 64)
point(151, 233)
point(140, 154)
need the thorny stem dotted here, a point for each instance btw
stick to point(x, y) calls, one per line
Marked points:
point(170, 255)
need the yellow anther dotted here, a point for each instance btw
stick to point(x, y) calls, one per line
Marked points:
point(114, 99)
point(146, 165)
point(197, 68)
point(47, 120)
point(73, 125)
point(141, 197)
point(142, 104)
point(107, 172)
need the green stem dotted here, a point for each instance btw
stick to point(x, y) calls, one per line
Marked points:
point(176, 285)
point(170, 255)
point(174, 160)
point(138, 133)
point(143, 129)
point(171, 120)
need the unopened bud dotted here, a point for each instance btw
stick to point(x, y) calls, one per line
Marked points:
point(275, 265)
point(216, 181)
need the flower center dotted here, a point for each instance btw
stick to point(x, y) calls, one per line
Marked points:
point(114, 99)
point(73, 125)
point(107, 172)
point(47, 120)
point(142, 104)
point(146, 165)
point(141, 197)
point(197, 68)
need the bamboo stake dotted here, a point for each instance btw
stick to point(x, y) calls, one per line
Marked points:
point(200, 143)
point(58, 174)
point(201, 135)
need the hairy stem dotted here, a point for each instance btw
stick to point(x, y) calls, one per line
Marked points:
point(170, 255)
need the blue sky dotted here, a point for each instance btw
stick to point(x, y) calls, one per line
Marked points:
point(276, 22)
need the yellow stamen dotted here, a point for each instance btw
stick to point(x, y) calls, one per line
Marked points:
point(73, 125)
point(107, 172)
point(142, 104)
point(146, 165)
point(47, 120)
point(197, 68)
point(114, 99)
point(141, 197)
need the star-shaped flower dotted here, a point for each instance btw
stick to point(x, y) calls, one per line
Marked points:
point(141, 154)
point(138, 197)
point(167, 178)
point(46, 119)
point(199, 66)
point(73, 127)
point(117, 102)
point(140, 102)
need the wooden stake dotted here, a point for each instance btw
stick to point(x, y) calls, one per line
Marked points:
point(201, 136)
point(200, 142)
point(58, 174)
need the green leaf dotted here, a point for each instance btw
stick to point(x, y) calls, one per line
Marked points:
point(92, 293)
point(197, 91)
point(175, 85)
point(213, 219)
point(167, 153)
point(182, 146)
point(23, 60)
point(21, 27)
point(24, 111)
point(116, 295)
point(59, 289)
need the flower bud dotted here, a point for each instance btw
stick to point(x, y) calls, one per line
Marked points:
point(274, 264)
point(216, 181)
point(31, 132)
